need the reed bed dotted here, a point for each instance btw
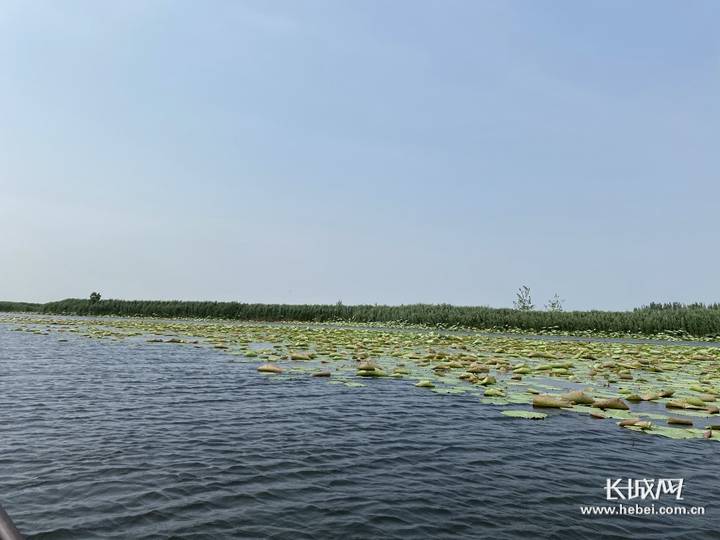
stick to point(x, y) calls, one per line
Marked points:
point(696, 320)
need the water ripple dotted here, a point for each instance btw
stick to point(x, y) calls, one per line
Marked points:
point(120, 440)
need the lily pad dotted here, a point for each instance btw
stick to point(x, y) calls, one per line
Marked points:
point(530, 415)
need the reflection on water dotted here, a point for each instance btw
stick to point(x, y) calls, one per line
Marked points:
point(137, 440)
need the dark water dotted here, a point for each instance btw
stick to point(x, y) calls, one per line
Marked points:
point(139, 441)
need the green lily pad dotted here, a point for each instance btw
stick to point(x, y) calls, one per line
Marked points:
point(525, 414)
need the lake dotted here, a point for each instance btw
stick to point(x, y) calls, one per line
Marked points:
point(128, 439)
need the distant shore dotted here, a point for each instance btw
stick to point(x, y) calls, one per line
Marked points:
point(674, 321)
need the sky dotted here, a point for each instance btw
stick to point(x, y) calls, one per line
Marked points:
point(363, 151)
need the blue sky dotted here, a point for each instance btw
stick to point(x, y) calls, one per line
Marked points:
point(369, 151)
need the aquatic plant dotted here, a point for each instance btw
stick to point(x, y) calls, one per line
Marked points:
point(269, 368)
point(675, 321)
point(650, 388)
point(530, 415)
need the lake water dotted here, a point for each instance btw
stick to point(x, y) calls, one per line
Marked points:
point(104, 439)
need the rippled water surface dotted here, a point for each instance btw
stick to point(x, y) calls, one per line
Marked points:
point(108, 439)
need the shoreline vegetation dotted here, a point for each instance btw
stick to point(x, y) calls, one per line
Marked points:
point(670, 320)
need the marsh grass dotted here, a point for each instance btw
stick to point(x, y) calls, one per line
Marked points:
point(692, 320)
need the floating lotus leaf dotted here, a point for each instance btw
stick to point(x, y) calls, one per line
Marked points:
point(676, 433)
point(269, 368)
point(673, 420)
point(367, 366)
point(376, 372)
point(578, 397)
point(696, 401)
point(301, 356)
point(547, 401)
point(518, 397)
point(478, 368)
point(676, 404)
point(611, 403)
point(447, 359)
point(530, 415)
point(607, 413)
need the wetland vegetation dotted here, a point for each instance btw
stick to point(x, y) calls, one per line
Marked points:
point(10, 307)
point(667, 390)
point(695, 320)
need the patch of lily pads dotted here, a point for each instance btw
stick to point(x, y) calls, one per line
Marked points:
point(666, 390)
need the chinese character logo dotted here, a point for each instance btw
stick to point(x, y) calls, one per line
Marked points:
point(619, 489)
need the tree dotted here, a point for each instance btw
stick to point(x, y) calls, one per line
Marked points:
point(555, 303)
point(523, 301)
point(95, 297)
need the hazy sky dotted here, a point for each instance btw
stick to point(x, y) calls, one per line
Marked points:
point(370, 151)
